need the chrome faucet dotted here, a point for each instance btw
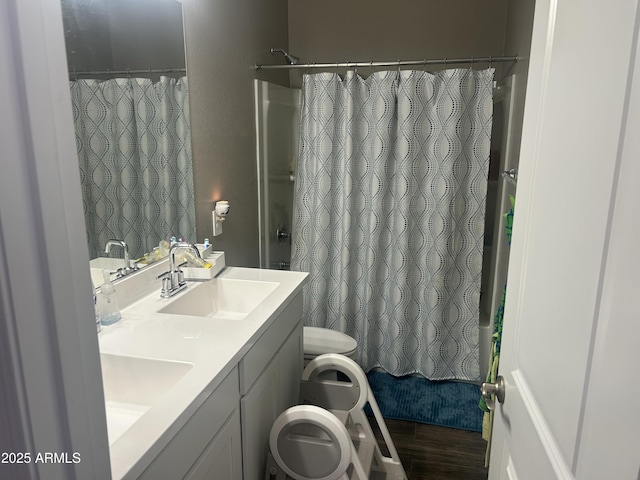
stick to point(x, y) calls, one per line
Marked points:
point(173, 280)
point(128, 268)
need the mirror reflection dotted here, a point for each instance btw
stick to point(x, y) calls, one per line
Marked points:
point(130, 104)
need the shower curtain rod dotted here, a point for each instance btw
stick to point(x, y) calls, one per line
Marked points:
point(129, 71)
point(397, 63)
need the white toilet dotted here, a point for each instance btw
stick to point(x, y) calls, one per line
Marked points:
point(318, 341)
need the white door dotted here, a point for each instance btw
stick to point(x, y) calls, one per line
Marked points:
point(572, 323)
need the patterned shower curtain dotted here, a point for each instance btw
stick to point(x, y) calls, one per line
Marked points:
point(389, 214)
point(134, 146)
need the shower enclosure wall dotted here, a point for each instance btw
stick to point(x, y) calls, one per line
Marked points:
point(496, 249)
point(277, 111)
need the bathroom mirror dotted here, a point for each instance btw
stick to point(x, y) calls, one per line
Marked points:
point(129, 91)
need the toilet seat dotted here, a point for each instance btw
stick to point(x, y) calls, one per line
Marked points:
point(318, 341)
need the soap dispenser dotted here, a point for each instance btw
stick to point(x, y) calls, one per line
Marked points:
point(95, 307)
point(108, 302)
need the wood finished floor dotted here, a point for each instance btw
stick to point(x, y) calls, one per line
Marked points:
point(429, 452)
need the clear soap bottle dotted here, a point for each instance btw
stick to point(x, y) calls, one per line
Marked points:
point(108, 301)
point(95, 308)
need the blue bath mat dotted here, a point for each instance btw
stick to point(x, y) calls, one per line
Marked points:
point(416, 399)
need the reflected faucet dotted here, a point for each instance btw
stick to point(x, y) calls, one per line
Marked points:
point(173, 280)
point(128, 268)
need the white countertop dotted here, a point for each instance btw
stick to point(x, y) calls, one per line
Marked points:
point(214, 347)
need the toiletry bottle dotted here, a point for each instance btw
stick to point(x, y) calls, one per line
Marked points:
point(195, 261)
point(95, 308)
point(97, 313)
point(108, 302)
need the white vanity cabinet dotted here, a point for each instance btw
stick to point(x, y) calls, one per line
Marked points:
point(228, 436)
point(240, 367)
point(269, 384)
point(222, 457)
point(209, 442)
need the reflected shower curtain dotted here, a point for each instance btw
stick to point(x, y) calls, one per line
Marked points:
point(389, 214)
point(134, 146)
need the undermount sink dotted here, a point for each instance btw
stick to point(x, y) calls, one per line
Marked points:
point(132, 385)
point(221, 298)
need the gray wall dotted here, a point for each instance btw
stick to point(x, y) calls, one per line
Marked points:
point(224, 39)
point(518, 42)
point(362, 30)
point(381, 29)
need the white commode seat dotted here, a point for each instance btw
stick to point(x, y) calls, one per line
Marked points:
point(318, 341)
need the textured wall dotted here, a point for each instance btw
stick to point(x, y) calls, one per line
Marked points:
point(224, 40)
point(363, 30)
point(518, 42)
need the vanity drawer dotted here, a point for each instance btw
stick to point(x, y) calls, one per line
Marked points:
point(177, 458)
point(257, 359)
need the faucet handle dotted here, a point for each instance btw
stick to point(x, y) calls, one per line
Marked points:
point(166, 282)
point(163, 275)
